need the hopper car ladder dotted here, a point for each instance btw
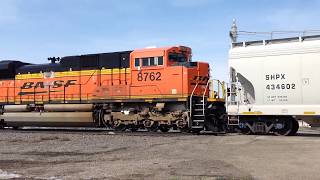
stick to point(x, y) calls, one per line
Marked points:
point(233, 117)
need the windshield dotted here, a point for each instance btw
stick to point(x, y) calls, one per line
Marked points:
point(178, 57)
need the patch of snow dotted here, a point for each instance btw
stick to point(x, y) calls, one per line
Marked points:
point(6, 175)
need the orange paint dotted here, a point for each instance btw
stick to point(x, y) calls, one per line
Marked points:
point(168, 79)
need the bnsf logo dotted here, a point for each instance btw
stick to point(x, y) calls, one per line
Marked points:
point(55, 84)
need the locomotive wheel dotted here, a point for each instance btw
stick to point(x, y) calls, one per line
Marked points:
point(133, 127)
point(196, 131)
point(185, 129)
point(153, 127)
point(120, 127)
point(164, 128)
point(181, 125)
point(2, 124)
point(15, 127)
point(174, 127)
point(211, 124)
point(295, 127)
point(286, 130)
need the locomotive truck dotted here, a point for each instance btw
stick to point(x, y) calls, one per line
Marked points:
point(152, 88)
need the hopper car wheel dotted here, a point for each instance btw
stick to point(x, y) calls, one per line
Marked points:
point(244, 128)
point(246, 131)
point(286, 130)
point(295, 127)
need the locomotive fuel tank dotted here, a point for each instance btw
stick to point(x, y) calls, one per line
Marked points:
point(68, 107)
point(53, 119)
point(50, 115)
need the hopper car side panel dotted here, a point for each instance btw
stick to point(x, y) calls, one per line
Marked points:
point(274, 84)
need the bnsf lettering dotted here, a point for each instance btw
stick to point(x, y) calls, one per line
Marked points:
point(39, 85)
point(275, 77)
point(70, 82)
point(200, 78)
point(27, 85)
point(56, 84)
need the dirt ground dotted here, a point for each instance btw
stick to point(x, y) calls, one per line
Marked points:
point(102, 155)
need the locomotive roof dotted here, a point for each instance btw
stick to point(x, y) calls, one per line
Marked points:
point(118, 59)
point(4, 64)
point(38, 68)
point(160, 48)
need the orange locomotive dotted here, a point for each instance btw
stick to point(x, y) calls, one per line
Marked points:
point(154, 88)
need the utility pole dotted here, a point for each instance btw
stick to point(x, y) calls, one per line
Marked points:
point(234, 31)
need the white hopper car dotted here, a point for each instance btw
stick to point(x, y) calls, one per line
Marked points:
point(274, 83)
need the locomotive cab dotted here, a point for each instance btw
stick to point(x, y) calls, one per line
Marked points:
point(168, 71)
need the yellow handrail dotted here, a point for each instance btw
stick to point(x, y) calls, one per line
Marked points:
point(217, 90)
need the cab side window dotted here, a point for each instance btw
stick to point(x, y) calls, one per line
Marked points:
point(136, 62)
point(145, 61)
point(150, 61)
point(159, 60)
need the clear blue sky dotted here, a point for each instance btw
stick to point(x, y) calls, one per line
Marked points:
point(32, 30)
